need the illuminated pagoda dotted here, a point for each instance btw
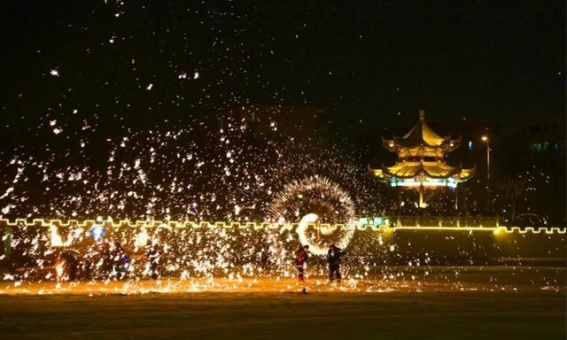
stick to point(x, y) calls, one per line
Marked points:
point(421, 161)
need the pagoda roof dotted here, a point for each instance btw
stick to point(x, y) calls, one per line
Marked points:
point(421, 135)
point(433, 169)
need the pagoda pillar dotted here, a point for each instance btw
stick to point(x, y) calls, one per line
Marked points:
point(421, 202)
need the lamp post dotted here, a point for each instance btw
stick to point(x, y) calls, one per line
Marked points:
point(487, 141)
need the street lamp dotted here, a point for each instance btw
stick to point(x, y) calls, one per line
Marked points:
point(487, 141)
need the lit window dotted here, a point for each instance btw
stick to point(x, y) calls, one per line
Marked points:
point(470, 145)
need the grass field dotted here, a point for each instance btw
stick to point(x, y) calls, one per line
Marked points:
point(440, 303)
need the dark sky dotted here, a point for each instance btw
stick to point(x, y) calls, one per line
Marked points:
point(113, 65)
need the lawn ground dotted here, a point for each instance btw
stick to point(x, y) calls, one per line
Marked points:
point(437, 303)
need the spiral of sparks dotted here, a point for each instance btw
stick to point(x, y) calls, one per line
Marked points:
point(315, 199)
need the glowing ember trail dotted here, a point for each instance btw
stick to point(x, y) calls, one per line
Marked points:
point(137, 161)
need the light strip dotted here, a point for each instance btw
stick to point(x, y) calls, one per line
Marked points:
point(427, 182)
point(264, 226)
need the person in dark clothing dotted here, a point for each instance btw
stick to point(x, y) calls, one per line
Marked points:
point(153, 256)
point(120, 261)
point(107, 261)
point(70, 265)
point(334, 260)
point(301, 258)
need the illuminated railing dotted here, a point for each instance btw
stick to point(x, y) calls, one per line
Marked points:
point(381, 224)
point(170, 224)
point(534, 230)
point(445, 221)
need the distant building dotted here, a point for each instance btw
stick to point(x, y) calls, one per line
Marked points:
point(542, 137)
point(541, 154)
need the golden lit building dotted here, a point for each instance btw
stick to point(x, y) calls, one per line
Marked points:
point(421, 161)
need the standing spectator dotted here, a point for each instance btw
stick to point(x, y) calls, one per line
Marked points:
point(153, 256)
point(301, 258)
point(334, 260)
point(120, 261)
point(69, 264)
point(107, 261)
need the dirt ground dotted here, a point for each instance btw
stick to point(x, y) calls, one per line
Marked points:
point(440, 303)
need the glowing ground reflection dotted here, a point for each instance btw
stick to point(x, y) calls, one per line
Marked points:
point(400, 279)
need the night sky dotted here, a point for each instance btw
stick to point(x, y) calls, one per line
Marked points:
point(117, 64)
point(119, 108)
